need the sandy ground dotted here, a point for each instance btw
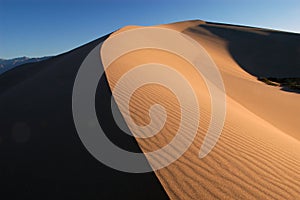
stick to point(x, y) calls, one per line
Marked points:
point(258, 153)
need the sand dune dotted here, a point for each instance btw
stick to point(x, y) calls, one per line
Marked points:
point(258, 154)
point(256, 157)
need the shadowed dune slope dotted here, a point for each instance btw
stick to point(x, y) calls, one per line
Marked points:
point(41, 155)
point(261, 52)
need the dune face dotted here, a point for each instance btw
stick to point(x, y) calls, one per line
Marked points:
point(257, 155)
point(41, 154)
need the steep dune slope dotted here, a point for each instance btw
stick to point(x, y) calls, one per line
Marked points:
point(258, 153)
point(41, 155)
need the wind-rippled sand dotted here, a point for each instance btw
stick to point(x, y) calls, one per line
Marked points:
point(258, 153)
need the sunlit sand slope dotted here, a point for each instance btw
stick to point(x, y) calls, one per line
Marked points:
point(258, 153)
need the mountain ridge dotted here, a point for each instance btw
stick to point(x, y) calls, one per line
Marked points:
point(7, 64)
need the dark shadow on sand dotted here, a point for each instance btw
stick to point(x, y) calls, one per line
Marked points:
point(261, 52)
point(41, 155)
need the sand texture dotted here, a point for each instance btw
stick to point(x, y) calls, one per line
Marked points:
point(258, 153)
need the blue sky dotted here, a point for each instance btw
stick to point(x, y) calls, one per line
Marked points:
point(42, 27)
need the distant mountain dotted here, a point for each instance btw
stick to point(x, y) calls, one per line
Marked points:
point(7, 64)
